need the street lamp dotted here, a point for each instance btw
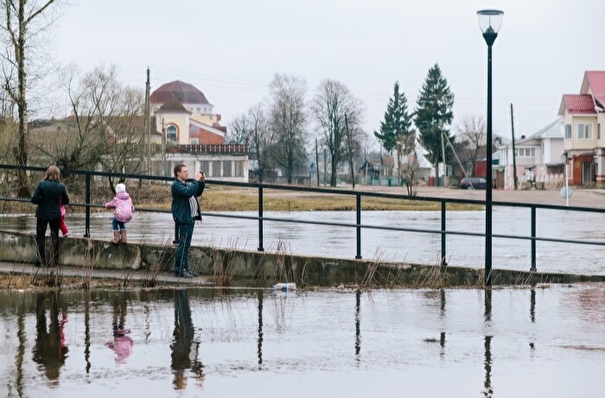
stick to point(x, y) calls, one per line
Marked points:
point(489, 22)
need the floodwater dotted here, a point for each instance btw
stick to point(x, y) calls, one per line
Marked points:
point(547, 341)
point(340, 242)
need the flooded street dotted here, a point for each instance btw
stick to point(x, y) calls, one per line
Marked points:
point(339, 242)
point(548, 342)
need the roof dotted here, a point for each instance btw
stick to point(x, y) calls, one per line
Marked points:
point(195, 126)
point(173, 105)
point(184, 92)
point(577, 104)
point(595, 81)
point(553, 130)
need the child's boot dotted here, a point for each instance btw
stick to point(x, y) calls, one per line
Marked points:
point(116, 237)
point(123, 236)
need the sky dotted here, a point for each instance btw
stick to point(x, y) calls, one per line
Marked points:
point(230, 50)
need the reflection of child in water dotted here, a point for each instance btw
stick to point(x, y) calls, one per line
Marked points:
point(121, 344)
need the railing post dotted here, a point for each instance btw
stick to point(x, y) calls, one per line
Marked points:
point(260, 219)
point(87, 222)
point(533, 238)
point(443, 234)
point(358, 211)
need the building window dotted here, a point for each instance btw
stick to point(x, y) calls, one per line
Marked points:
point(227, 168)
point(171, 133)
point(598, 131)
point(584, 131)
point(525, 152)
point(216, 168)
point(205, 165)
point(194, 141)
point(239, 168)
point(568, 131)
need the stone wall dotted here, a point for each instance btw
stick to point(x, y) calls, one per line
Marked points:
point(252, 268)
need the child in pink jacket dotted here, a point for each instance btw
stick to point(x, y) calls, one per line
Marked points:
point(123, 209)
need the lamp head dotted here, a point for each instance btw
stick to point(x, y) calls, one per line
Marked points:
point(490, 22)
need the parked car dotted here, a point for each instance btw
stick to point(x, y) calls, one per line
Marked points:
point(473, 183)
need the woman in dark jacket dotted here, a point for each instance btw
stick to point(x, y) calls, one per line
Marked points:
point(49, 193)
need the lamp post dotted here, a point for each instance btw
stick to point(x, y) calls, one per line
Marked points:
point(489, 22)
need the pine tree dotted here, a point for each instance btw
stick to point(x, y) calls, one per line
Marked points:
point(433, 114)
point(396, 132)
point(396, 122)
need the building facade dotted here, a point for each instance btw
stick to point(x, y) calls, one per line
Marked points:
point(190, 133)
point(584, 145)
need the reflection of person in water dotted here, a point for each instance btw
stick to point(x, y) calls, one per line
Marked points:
point(50, 350)
point(184, 348)
point(122, 343)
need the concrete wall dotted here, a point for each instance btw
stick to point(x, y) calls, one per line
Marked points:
point(253, 268)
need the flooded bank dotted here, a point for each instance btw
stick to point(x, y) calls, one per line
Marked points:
point(522, 342)
point(396, 246)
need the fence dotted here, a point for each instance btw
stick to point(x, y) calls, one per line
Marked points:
point(443, 232)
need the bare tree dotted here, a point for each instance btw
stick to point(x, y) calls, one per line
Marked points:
point(106, 126)
point(407, 159)
point(472, 131)
point(126, 133)
point(239, 130)
point(338, 115)
point(22, 21)
point(287, 118)
point(253, 129)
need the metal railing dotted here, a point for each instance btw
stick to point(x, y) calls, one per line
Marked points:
point(358, 225)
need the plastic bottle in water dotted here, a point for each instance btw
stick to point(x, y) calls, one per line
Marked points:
point(284, 286)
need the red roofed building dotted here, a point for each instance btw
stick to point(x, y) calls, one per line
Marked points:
point(190, 133)
point(583, 115)
point(185, 116)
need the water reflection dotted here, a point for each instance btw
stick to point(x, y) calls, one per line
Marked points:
point(487, 314)
point(311, 339)
point(357, 324)
point(50, 349)
point(184, 347)
point(488, 391)
point(122, 343)
point(259, 350)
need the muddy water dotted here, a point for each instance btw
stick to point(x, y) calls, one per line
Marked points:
point(340, 242)
point(546, 342)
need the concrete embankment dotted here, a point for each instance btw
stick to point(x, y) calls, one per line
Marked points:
point(252, 268)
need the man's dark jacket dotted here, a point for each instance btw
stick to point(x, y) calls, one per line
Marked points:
point(181, 192)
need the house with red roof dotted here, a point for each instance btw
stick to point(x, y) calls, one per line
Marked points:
point(185, 116)
point(190, 133)
point(583, 115)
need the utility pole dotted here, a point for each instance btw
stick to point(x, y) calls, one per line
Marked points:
point(443, 157)
point(512, 124)
point(317, 161)
point(164, 147)
point(146, 126)
point(325, 166)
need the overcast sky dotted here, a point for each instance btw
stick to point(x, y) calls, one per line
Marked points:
point(230, 49)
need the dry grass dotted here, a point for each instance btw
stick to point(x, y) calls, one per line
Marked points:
point(219, 198)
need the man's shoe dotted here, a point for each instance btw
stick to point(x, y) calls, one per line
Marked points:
point(193, 272)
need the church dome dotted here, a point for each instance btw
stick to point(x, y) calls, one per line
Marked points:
point(184, 92)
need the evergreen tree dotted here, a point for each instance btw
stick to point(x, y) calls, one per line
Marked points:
point(396, 132)
point(397, 121)
point(434, 114)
